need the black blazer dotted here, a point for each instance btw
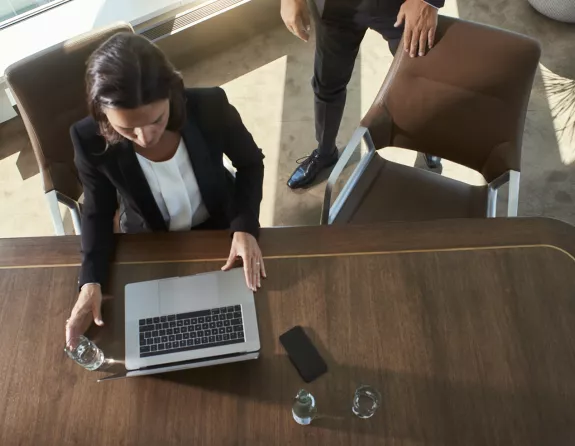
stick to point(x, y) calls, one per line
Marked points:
point(112, 178)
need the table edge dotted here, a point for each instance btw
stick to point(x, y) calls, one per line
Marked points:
point(303, 241)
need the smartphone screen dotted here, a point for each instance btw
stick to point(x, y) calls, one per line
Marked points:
point(303, 354)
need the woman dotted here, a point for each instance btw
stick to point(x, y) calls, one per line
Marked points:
point(154, 150)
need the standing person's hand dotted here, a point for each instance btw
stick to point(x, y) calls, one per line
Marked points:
point(295, 14)
point(420, 25)
point(245, 245)
point(88, 308)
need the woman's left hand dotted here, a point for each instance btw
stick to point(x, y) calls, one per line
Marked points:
point(245, 245)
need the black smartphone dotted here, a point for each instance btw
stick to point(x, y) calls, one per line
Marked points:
point(303, 354)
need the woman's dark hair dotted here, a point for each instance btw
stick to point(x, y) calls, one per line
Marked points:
point(128, 71)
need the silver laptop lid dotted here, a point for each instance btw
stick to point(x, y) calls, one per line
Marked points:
point(179, 295)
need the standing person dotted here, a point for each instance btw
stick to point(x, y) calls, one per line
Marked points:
point(155, 149)
point(340, 28)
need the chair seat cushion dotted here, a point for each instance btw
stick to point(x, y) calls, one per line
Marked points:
point(388, 191)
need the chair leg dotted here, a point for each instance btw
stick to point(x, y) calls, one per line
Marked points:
point(433, 162)
point(76, 220)
point(513, 202)
point(492, 203)
point(229, 166)
point(55, 212)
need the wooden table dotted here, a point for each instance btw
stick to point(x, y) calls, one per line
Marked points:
point(466, 327)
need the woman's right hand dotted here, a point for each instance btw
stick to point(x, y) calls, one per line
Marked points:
point(88, 308)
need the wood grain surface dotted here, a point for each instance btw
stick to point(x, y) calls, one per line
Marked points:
point(297, 241)
point(467, 347)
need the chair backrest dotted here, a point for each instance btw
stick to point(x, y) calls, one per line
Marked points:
point(465, 100)
point(50, 93)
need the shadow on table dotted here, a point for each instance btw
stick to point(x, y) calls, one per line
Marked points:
point(427, 409)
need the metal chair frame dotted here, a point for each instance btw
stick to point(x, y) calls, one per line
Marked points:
point(330, 212)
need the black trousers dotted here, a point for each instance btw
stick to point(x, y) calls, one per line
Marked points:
point(340, 27)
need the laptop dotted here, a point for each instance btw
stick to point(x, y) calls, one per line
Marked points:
point(187, 322)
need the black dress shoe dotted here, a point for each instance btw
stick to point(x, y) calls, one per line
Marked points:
point(433, 162)
point(309, 167)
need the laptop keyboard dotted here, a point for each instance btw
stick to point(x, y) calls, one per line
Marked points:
point(191, 331)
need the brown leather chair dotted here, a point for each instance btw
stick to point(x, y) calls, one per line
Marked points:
point(465, 101)
point(50, 93)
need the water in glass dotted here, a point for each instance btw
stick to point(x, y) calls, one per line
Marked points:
point(366, 400)
point(85, 352)
point(304, 409)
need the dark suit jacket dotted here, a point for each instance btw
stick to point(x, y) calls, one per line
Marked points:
point(113, 177)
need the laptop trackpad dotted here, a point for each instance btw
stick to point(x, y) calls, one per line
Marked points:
point(191, 293)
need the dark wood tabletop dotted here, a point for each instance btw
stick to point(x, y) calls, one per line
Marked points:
point(466, 327)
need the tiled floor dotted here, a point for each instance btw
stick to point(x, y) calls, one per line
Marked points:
point(267, 79)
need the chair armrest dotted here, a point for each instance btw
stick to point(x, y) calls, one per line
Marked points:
point(75, 210)
point(329, 213)
point(512, 177)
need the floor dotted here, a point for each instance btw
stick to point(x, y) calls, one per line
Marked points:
point(267, 79)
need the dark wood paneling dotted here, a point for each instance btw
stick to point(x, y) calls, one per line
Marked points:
point(467, 348)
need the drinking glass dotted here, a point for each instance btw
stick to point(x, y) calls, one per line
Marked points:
point(84, 352)
point(366, 400)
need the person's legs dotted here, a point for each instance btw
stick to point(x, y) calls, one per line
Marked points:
point(336, 51)
point(381, 17)
point(337, 45)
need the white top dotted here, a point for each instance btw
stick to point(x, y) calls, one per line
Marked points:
point(175, 189)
